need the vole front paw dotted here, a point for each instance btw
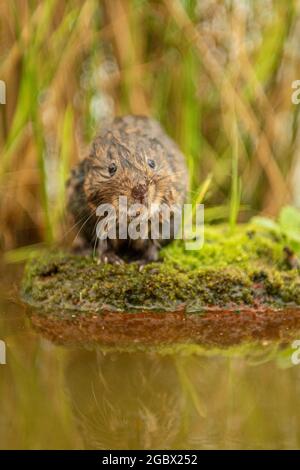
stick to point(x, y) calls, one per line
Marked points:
point(109, 257)
point(150, 255)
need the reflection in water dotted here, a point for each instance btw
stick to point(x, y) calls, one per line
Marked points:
point(74, 397)
point(126, 400)
point(131, 401)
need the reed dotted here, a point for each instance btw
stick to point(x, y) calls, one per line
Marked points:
point(70, 65)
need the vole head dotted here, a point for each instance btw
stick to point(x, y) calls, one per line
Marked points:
point(136, 168)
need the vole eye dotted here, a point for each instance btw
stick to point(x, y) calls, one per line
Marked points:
point(112, 169)
point(151, 163)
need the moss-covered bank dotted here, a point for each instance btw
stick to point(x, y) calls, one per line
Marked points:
point(250, 268)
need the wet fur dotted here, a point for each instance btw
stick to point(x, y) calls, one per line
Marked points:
point(129, 142)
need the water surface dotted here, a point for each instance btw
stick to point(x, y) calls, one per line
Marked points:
point(93, 397)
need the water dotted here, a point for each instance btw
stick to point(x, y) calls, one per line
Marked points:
point(77, 397)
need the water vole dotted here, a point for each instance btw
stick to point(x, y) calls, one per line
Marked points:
point(131, 157)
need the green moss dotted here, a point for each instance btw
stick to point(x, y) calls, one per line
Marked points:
point(244, 268)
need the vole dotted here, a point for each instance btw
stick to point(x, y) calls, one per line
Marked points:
point(132, 157)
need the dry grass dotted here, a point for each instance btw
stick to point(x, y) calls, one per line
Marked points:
point(217, 74)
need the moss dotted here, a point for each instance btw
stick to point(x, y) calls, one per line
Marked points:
point(245, 268)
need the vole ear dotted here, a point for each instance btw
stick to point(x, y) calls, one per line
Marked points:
point(86, 166)
point(77, 176)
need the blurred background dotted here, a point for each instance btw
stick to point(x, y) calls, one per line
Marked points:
point(217, 74)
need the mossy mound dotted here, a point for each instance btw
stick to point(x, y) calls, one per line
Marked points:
point(249, 268)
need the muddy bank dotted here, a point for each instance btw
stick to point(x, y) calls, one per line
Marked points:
point(240, 286)
point(214, 328)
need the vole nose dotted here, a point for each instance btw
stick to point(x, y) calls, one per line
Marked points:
point(139, 191)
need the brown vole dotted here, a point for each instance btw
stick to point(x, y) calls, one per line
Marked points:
point(131, 157)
